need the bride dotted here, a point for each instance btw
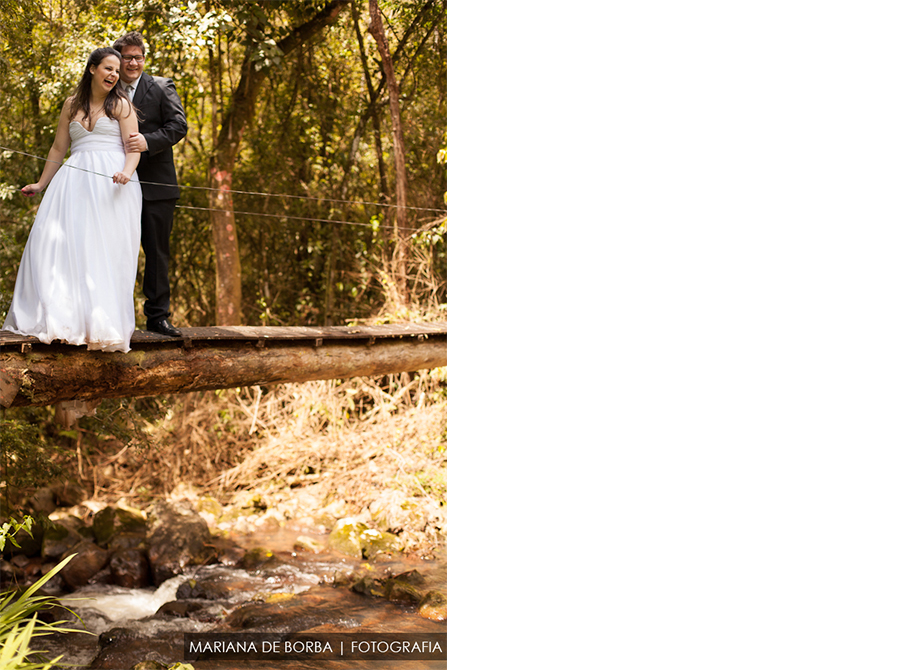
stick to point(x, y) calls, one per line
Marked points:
point(76, 279)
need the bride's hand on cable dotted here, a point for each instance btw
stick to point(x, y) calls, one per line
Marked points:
point(31, 189)
point(121, 178)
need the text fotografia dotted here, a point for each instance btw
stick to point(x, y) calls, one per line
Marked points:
point(327, 646)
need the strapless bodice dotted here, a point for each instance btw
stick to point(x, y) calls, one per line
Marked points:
point(105, 136)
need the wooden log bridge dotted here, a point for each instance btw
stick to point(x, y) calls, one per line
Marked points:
point(33, 373)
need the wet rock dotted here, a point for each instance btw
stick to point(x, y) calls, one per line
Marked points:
point(180, 608)
point(149, 665)
point(43, 501)
point(226, 551)
point(405, 594)
point(434, 606)
point(89, 561)
point(129, 568)
point(102, 577)
point(115, 636)
point(369, 586)
point(354, 538)
point(111, 521)
point(259, 559)
point(207, 589)
point(62, 535)
point(306, 543)
point(178, 539)
point(68, 494)
point(404, 588)
point(128, 541)
point(121, 648)
point(412, 577)
point(287, 612)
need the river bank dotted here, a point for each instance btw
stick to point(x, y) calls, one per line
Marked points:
point(199, 580)
point(295, 499)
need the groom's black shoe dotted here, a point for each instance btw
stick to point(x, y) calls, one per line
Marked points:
point(164, 328)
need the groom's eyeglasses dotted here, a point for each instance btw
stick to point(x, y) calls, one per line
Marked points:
point(136, 59)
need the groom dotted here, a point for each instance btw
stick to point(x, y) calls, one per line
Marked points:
point(162, 124)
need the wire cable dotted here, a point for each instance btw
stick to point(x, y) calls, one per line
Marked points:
point(297, 218)
point(253, 193)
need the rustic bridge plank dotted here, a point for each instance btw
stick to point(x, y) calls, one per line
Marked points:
point(34, 373)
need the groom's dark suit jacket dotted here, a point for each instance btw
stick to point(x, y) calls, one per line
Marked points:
point(162, 122)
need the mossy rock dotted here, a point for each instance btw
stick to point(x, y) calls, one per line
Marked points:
point(210, 506)
point(404, 593)
point(60, 536)
point(355, 538)
point(406, 588)
point(280, 598)
point(257, 559)
point(345, 537)
point(412, 577)
point(380, 542)
point(434, 606)
point(113, 520)
point(369, 586)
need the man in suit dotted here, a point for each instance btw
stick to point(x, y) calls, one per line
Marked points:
point(161, 125)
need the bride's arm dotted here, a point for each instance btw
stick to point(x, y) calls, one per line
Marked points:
point(128, 124)
point(57, 152)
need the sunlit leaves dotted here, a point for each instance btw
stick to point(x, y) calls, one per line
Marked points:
point(193, 29)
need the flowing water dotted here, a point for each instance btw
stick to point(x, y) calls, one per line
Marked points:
point(287, 592)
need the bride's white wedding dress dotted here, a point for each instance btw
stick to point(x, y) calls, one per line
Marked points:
point(76, 278)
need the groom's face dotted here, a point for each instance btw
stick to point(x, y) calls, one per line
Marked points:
point(132, 64)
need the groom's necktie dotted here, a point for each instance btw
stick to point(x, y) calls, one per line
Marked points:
point(130, 88)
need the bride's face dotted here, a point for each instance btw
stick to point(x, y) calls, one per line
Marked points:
point(106, 74)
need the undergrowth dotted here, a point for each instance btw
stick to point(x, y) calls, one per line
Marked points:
point(370, 447)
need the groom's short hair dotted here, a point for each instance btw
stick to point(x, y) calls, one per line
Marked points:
point(132, 39)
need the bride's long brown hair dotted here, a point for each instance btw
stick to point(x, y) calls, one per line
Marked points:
point(83, 92)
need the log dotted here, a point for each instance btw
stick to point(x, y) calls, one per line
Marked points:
point(39, 375)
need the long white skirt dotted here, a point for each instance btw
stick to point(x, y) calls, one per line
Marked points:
point(76, 279)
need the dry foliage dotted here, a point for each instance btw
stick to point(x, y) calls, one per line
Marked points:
point(371, 447)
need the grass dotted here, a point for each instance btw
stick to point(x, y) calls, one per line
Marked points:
point(19, 624)
point(375, 447)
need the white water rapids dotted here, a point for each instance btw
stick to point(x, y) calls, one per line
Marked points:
point(118, 604)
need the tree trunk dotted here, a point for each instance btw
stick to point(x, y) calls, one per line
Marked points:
point(235, 120)
point(44, 377)
point(228, 257)
point(401, 235)
point(372, 107)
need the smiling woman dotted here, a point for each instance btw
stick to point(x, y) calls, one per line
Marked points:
point(106, 75)
point(77, 273)
point(98, 91)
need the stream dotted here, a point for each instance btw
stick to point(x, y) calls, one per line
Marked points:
point(279, 595)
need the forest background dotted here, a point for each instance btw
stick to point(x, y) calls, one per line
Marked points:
point(285, 98)
point(314, 190)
